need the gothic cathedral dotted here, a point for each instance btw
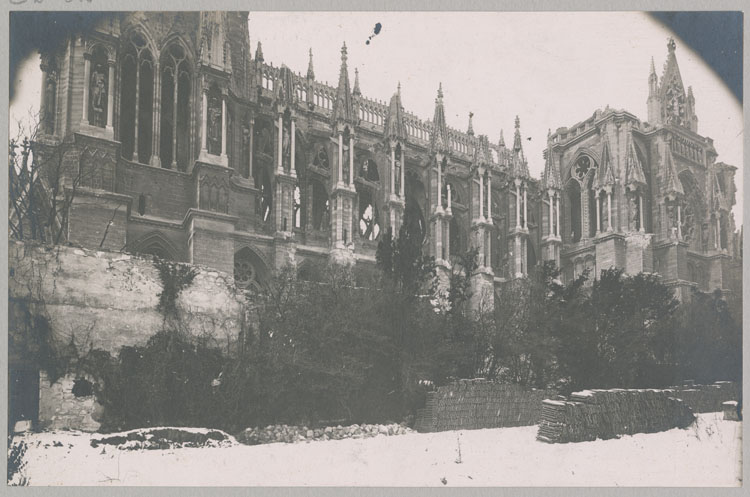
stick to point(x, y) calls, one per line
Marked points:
point(185, 145)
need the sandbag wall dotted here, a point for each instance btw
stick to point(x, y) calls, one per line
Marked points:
point(605, 414)
point(476, 404)
point(708, 398)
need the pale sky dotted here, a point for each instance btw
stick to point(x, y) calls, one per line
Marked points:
point(553, 69)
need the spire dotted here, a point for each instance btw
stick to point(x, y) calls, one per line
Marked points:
point(634, 169)
point(551, 178)
point(482, 151)
point(440, 142)
point(673, 187)
point(310, 71)
point(653, 68)
point(470, 131)
point(259, 53)
point(394, 120)
point(356, 90)
point(606, 177)
point(342, 106)
point(517, 145)
point(501, 143)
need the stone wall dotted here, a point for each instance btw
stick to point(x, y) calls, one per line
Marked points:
point(476, 404)
point(60, 409)
point(107, 300)
point(603, 414)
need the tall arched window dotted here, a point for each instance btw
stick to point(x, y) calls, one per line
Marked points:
point(369, 228)
point(264, 199)
point(137, 98)
point(321, 213)
point(573, 210)
point(174, 144)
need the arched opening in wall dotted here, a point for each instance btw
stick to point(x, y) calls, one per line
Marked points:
point(414, 221)
point(321, 210)
point(530, 256)
point(321, 158)
point(175, 108)
point(156, 245)
point(98, 87)
point(499, 246)
point(693, 209)
point(145, 107)
point(369, 170)
point(263, 139)
point(592, 228)
point(128, 71)
point(724, 231)
point(573, 210)
point(369, 227)
point(249, 270)
point(286, 140)
point(345, 165)
point(214, 120)
point(265, 197)
point(455, 237)
point(297, 207)
point(300, 157)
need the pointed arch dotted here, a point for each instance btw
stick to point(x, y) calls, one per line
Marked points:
point(156, 244)
point(250, 268)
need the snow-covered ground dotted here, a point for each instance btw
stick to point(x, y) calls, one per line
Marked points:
point(706, 454)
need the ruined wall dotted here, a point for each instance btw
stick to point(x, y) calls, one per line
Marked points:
point(476, 404)
point(106, 300)
point(109, 299)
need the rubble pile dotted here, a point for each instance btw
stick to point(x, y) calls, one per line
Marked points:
point(606, 414)
point(165, 438)
point(294, 434)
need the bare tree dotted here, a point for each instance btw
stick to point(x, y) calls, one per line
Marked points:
point(41, 185)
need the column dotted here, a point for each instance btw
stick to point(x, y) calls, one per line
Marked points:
point(402, 189)
point(525, 209)
point(718, 230)
point(137, 102)
point(439, 184)
point(340, 179)
point(252, 149)
point(176, 79)
point(557, 215)
point(481, 196)
point(293, 170)
point(223, 125)
point(86, 82)
point(351, 160)
point(598, 207)
point(609, 211)
point(110, 95)
point(204, 110)
point(640, 212)
point(156, 119)
point(551, 209)
point(279, 145)
point(679, 222)
point(489, 198)
point(518, 204)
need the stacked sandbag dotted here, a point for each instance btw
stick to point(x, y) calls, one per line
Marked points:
point(605, 414)
point(478, 403)
point(707, 398)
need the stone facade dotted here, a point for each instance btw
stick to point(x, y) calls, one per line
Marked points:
point(205, 153)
